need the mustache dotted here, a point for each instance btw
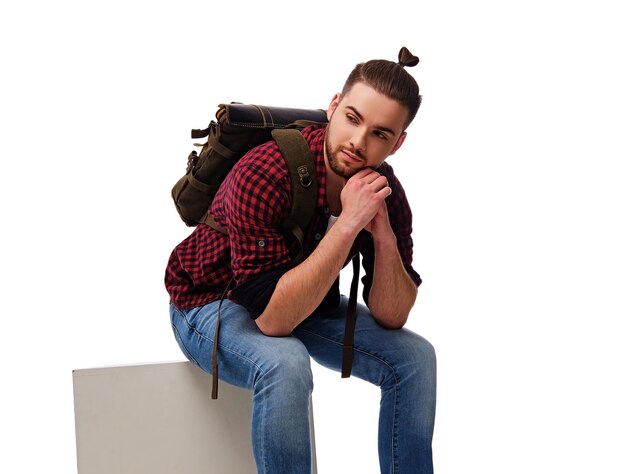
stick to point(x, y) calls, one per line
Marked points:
point(357, 153)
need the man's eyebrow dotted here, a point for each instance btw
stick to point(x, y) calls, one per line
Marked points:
point(378, 127)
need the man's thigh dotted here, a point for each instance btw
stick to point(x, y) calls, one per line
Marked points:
point(244, 352)
point(378, 351)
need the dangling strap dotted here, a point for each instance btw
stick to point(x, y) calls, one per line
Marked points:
point(215, 338)
point(348, 337)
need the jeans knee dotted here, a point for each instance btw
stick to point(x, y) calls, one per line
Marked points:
point(289, 371)
point(425, 353)
point(418, 359)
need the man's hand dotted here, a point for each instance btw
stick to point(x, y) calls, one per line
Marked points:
point(362, 198)
point(379, 226)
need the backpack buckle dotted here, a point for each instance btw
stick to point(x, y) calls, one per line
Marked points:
point(305, 177)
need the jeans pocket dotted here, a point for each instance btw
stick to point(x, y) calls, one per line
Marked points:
point(182, 346)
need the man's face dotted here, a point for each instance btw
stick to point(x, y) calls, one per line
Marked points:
point(365, 127)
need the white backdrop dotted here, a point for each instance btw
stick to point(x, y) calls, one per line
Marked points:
point(514, 167)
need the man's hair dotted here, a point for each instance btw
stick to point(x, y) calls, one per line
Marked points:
point(390, 79)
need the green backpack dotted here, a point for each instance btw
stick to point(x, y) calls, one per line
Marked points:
point(237, 129)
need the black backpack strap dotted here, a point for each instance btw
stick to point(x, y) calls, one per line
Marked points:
point(214, 364)
point(348, 336)
point(304, 188)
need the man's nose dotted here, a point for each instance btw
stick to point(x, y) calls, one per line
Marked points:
point(359, 140)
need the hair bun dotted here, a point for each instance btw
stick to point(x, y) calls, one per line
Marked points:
point(406, 59)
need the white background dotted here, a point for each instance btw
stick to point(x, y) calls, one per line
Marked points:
point(514, 167)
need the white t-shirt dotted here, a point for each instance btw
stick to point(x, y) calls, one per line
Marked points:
point(331, 221)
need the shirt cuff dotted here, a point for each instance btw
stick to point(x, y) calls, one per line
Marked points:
point(414, 275)
point(255, 293)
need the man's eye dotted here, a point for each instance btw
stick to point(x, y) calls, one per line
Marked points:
point(381, 135)
point(351, 118)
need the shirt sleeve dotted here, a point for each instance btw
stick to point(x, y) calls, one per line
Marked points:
point(256, 201)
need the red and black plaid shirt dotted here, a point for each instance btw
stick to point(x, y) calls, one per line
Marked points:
point(251, 203)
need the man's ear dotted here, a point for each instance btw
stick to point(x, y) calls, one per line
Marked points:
point(333, 105)
point(398, 143)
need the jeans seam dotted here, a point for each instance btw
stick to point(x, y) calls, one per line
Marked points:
point(394, 444)
point(263, 429)
point(183, 347)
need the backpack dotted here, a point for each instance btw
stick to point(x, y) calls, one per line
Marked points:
point(237, 129)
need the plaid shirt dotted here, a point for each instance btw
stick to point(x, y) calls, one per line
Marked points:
point(251, 203)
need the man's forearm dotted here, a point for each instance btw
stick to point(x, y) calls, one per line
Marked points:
point(393, 292)
point(299, 291)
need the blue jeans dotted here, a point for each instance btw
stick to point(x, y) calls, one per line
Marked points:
point(277, 370)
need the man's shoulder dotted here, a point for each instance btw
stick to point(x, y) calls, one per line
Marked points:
point(398, 195)
point(314, 132)
point(267, 157)
point(264, 160)
point(314, 135)
point(387, 171)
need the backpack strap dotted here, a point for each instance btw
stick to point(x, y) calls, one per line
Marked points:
point(304, 187)
point(297, 154)
point(348, 335)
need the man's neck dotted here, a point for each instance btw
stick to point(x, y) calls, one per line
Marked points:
point(334, 185)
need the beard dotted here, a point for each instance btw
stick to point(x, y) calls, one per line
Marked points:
point(335, 164)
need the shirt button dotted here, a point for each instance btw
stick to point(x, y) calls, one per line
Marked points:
point(261, 243)
point(318, 236)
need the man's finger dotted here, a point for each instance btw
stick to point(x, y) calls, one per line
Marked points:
point(379, 182)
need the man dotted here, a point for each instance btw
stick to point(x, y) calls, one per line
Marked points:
point(280, 314)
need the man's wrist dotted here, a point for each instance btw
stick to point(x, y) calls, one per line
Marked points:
point(346, 229)
point(384, 240)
